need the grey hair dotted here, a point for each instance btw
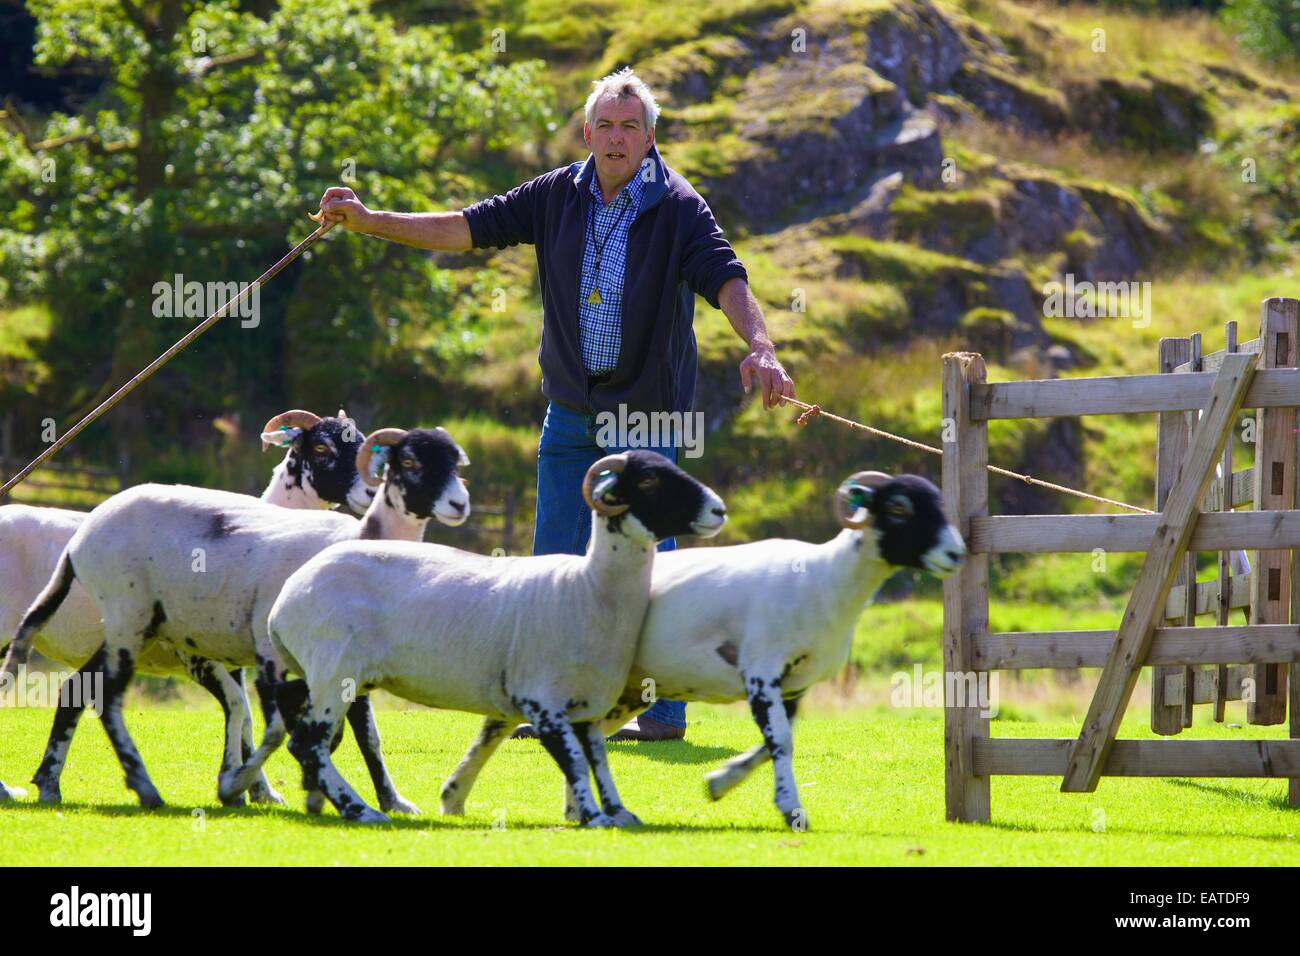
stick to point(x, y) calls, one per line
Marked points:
point(622, 84)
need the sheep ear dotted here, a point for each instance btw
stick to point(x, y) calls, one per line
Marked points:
point(464, 458)
point(283, 437)
point(853, 501)
point(604, 485)
point(859, 496)
point(379, 462)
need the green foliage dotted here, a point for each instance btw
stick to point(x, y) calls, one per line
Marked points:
point(23, 331)
point(1270, 28)
point(954, 217)
point(214, 135)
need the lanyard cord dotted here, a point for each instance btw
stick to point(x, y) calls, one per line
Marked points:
point(599, 243)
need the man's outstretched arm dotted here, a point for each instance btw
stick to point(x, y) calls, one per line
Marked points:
point(439, 231)
point(746, 317)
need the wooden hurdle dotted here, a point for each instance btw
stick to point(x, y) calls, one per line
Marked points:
point(1198, 399)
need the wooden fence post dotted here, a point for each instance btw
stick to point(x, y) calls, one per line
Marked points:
point(1146, 606)
point(1225, 557)
point(966, 593)
point(1270, 600)
point(1171, 444)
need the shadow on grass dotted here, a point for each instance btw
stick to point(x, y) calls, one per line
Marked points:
point(672, 751)
point(1242, 796)
point(399, 824)
point(1144, 831)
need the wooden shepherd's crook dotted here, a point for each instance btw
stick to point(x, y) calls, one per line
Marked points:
point(167, 356)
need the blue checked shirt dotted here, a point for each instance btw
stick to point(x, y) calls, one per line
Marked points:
point(600, 327)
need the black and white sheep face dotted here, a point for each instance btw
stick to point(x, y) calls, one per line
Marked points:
point(662, 500)
point(423, 472)
point(322, 459)
point(910, 528)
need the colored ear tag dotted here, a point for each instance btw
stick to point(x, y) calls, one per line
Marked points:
point(378, 460)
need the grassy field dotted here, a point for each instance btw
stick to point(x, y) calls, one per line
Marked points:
point(871, 780)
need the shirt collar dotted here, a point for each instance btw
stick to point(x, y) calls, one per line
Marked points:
point(634, 189)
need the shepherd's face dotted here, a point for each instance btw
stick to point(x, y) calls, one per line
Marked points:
point(617, 136)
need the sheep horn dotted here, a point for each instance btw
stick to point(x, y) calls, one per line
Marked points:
point(295, 418)
point(614, 463)
point(381, 438)
point(867, 479)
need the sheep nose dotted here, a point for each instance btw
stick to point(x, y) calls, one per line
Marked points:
point(720, 512)
point(457, 506)
point(953, 555)
point(370, 492)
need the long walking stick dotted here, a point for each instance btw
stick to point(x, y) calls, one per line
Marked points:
point(167, 356)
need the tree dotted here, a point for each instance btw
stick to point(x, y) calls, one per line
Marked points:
point(1269, 27)
point(216, 132)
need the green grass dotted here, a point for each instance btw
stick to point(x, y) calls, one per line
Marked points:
point(871, 782)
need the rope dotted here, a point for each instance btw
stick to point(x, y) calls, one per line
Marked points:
point(812, 411)
point(167, 356)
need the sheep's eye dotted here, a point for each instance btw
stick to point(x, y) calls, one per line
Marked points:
point(899, 508)
point(320, 448)
point(408, 462)
point(648, 483)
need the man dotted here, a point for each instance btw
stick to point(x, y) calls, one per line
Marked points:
point(623, 246)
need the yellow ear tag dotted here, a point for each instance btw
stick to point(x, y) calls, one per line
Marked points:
point(594, 298)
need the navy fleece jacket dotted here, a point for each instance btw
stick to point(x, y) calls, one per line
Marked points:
point(675, 250)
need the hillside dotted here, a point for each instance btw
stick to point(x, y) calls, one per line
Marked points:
point(920, 172)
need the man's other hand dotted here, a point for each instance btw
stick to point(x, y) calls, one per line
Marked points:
point(774, 384)
point(340, 204)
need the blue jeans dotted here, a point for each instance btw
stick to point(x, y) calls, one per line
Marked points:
point(567, 449)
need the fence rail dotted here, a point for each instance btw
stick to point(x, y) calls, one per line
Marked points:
point(1124, 395)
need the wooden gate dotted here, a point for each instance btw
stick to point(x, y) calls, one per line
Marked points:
point(1198, 399)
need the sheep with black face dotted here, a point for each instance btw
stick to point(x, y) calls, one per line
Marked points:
point(763, 622)
point(198, 570)
point(546, 639)
point(319, 470)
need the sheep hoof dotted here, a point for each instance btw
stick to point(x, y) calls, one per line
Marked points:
point(315, 802)
point(50, 794)
point(151, 799)
point(601, 820)
point(264, 793)
point(717, 784)
point(229, 793)
point(453, 808)
point(399, 804)
point(368, 815)
point(796, 820)
point(626, 818)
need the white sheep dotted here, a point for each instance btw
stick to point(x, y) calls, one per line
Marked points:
point(200, 569)
point(765, 621)
point(547, 639)
point(318, 470)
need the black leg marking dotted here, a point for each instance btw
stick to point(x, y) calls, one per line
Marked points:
point(361, 717)
point(116, 680)
point(66, 716)
point(309, 744)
